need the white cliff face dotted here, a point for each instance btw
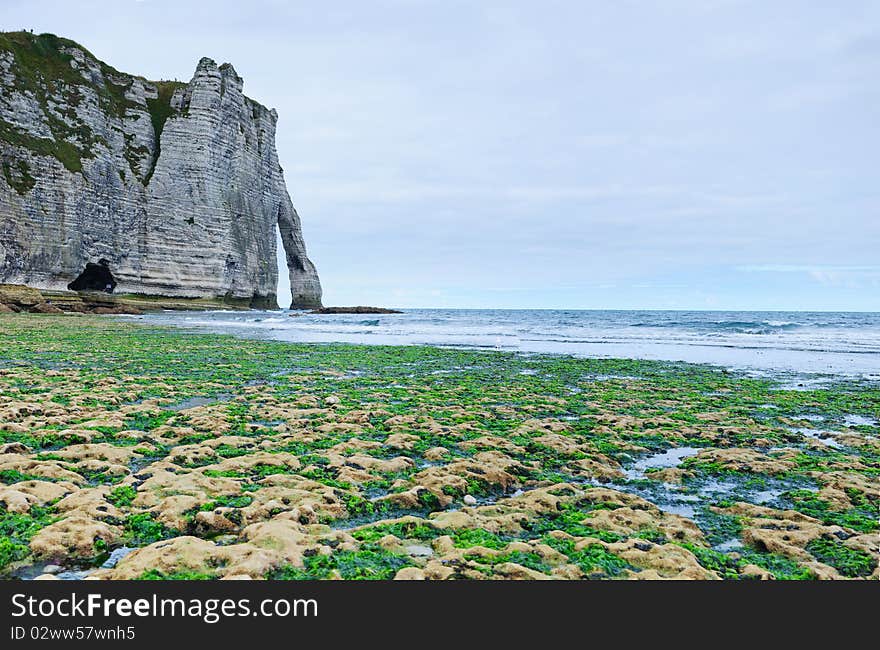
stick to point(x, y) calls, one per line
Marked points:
point(177, 186)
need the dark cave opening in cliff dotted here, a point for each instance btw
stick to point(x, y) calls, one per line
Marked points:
point(95, 277)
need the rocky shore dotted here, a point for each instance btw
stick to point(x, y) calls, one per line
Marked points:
point(355, 310)
point(132, 452)
point(16, 298)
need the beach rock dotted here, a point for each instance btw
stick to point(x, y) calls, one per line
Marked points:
point(404, 441)
point(753, 571)
point(410, 573)
point(746, 460)
point(163, 483)
point(176, 186)
point(842, 480)
point(371, 463)
point(786, 532)
point(661, 561)
point(20, 295)
point(600, 467)
point(101, 451)
point(75, 307)
point(14, 448)
point(90, 502)
point(490, 442)
point(629, 520)
point(37, 492)
point(488, 468)
point(208, 524)
point(73, 537)
point(469, 500)
point(869, 543)
point(245, 463)
point(45, 308)
point(513, 571)
point(168, 557)
point(132, 311)
point(15, 501)
point(286, 536)
point(191, 554)
point(435, 570)
point(50, 469)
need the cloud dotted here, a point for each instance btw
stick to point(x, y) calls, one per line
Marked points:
point(698, 150)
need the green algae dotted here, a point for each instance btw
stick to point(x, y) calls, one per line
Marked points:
point(647, 407)
point(370, 562)
point(850, 562)
point(142, 529)
point(16, 530)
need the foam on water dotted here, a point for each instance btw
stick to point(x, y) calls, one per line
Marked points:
point(817, 343)
point(859, 420)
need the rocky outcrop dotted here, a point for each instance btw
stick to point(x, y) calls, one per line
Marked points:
point(16, 298)
point(19, 298)
point(176, 185)
point(355, 310)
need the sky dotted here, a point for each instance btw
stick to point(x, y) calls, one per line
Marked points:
point(713, 154)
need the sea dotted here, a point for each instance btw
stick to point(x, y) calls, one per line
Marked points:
point(757, 342)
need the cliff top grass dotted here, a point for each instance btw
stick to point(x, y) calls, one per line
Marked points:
point(43, 69)
point(41, 58)
point(217, 456)
point(44, 59)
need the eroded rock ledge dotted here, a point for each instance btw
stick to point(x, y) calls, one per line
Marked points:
point(20, 298)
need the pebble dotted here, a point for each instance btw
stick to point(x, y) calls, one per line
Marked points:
point(330, 401)
point(53, 568)
point(469, 500)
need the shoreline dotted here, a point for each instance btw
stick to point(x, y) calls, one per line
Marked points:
point(214, 456)
point(758, 344)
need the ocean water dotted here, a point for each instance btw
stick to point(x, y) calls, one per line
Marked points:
point(761, 342)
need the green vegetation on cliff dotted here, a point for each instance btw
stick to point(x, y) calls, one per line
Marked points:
point(44, 69)
point(160, 111)
point(18, 175)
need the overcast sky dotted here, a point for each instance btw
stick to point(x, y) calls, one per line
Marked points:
point(671, 154)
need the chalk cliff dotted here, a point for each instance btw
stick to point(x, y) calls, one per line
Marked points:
point(173, 187)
